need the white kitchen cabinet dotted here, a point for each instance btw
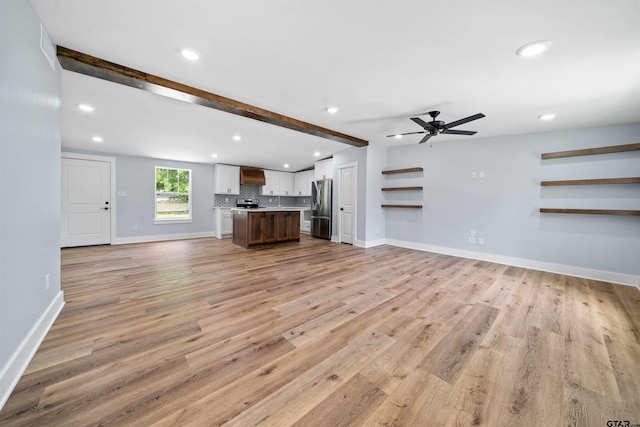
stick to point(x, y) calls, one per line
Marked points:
point(302, 183)
point(286, 184)
point(222, 222)
point(277, 183)
point(271, 183)
point(324, 169)
point(226, 179)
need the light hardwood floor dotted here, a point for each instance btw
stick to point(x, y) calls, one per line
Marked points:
point(202, 332)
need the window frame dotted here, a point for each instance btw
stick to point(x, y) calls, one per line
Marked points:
point(173, 220)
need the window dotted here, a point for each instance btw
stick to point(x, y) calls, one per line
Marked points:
point(173, 195)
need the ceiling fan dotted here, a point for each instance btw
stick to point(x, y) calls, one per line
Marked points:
point(436, 127)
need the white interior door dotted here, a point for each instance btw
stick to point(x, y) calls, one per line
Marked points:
point(346, 210)
point(86, 207)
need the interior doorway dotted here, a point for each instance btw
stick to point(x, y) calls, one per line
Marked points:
point(347, 200)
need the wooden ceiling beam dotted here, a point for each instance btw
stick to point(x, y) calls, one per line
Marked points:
point(82, 63)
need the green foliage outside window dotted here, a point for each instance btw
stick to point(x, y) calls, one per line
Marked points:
point(173, 190)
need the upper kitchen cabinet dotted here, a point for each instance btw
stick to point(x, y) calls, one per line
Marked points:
point(226, 179)
point(277, 183)
point(286, 184)
point(272, 183)
point(302, 182)
point(324, 169)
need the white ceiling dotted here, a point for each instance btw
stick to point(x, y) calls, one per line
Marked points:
point(380, 62)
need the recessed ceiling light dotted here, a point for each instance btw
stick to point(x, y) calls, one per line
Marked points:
point(549, 116)
point(214, 155)
point(317, 154)
point(97, 138)
point(534, 48)
point(286, 165)
point(332, 110)
point(86, 108)
point(397, 136)
point(236, 138)
point(190, 54)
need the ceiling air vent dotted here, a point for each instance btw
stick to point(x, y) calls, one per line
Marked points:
point(251, 176)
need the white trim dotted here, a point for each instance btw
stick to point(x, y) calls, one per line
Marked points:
point(372, 243)
point(17, 364)
point(112, 172)
point(570, 270)
point(353, 165)
point(161, 237)
point(173, 221)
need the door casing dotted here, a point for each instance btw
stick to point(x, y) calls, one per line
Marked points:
point(112, 184)
point(354, 190)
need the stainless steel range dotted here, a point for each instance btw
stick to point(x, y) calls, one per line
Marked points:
point(247, 203)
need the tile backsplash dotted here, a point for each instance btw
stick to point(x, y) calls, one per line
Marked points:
point(253, 192)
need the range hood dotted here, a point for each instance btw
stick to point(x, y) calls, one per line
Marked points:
point(252, 176)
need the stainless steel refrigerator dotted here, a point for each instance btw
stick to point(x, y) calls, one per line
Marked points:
point(321, 208)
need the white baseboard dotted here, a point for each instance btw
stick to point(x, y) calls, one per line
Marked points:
point(570, 270)
point(372, 243)
point(160, 237)
point(13, 370)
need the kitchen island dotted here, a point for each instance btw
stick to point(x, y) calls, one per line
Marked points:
point(258, 226)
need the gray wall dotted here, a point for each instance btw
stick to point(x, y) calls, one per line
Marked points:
point(29, 176)
point(375, 216)
point(503, 206)
point(135, 177)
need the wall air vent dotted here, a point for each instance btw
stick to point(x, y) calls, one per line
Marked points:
point(47, 48)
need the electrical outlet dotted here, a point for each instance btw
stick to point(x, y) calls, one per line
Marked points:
point(47, 281)
point(481, 174)
point(481, 240)
point(135, 227)
point(472, 232)
point(269, 200)
point(226, 199)
point(473, 174)
point(471, 240)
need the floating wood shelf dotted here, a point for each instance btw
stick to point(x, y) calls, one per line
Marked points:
point(592, 211)
point(403, 206)
point(401, 188)
point(591, 151)
point(408, 170)
point(632, 180)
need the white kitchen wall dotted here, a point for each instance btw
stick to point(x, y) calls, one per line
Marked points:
point(503, 206)
point(30, 195)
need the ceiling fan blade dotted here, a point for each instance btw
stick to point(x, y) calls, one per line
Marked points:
point(459, 132)
point(408, 133)
point(463, 121)
point(422, 123)
point(425, 139)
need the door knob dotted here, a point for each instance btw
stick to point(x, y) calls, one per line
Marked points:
point(341, 209)
point(105, 209)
